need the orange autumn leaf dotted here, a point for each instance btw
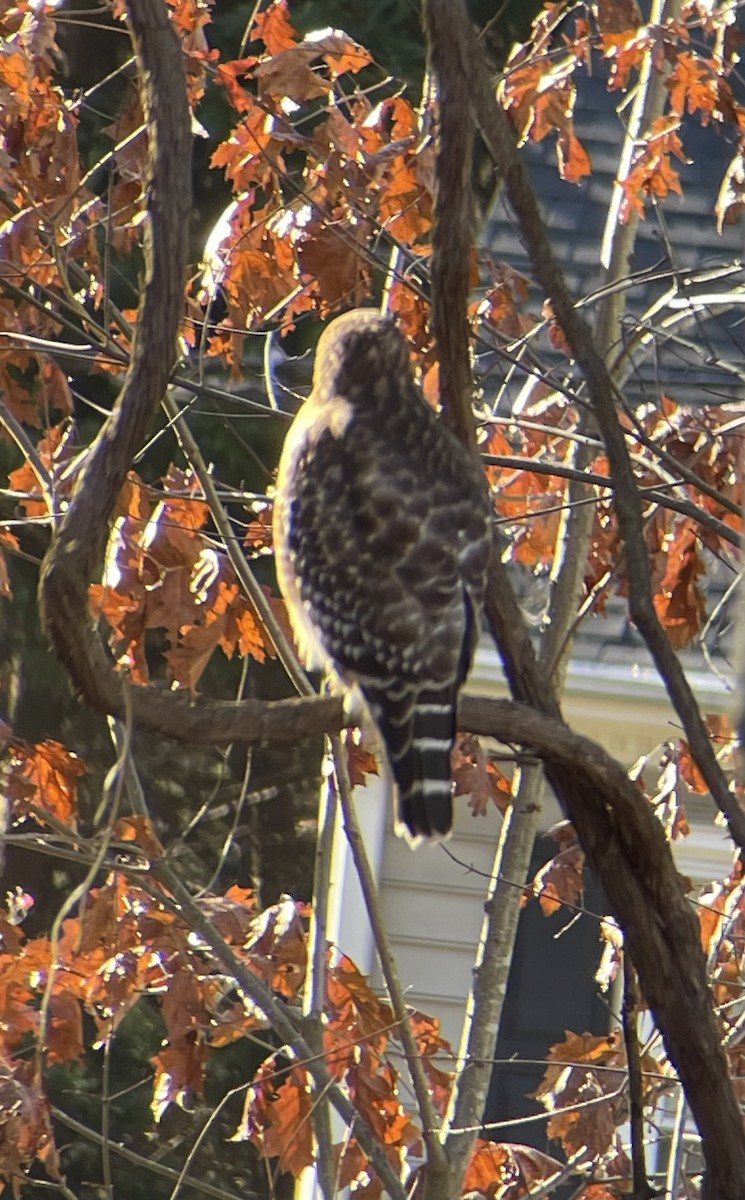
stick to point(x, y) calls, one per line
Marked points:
point(43, 777)
point(360, 762)
point(574, 161)
point(64, 1034)
point(405, 205)
point(274, 28)
point(179, 1074)
point(560, 881)
point(678, 601)
point(276, 1117)
point(500, 1169)
point(690, 771)
point(337, 262)
point(652, 173)
point(139, 830)
point(26, 1124)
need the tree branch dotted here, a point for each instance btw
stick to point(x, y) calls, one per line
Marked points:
point(437, 1181)
point(641, 1187)
point(78, 548)
point(452, 235)
point(499, 139)
point(624, 844)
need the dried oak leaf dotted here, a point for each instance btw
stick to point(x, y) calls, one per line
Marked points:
point(565, 1087)
point(507, 1170)
point(360, 762)
point(679, 601)
point(354, 1012)
point(276, 947)
point(179, 1073)
point(232, 913)
point(139, 830)
point(43, 776)
point(433, 1049)
point(274, 28)
point(64, 1031)
point(574, 161)
point(373, 1088)
point(25, 1125)
point(476, 776)
point(405, 203)
point(560, 881)
point(652, 173)
point(334, 258)
point(276, 1116)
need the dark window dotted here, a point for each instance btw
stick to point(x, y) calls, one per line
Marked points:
point(551, 988)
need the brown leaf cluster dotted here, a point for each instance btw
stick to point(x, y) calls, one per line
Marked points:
point(721, 913)
point(475, 775)
point(127, 945)
point(359, 1035)
point(507, 1171)
point(584, 1088)
point(666, 776)
point(362, 167)
point(163, 572)
point(41, 779)
point(560, 881)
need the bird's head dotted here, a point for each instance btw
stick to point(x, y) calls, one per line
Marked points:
point(358, 354)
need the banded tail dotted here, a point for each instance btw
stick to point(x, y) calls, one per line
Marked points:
point(418, 730)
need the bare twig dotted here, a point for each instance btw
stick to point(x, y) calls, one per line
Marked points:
point(675, 1155)
point(661, 934)
point(500, 142)
point(437, 1162)
point(642, 1190)
point(148, 1163)
point(315, 983)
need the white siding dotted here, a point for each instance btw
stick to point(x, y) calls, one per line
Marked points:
point(433, 906)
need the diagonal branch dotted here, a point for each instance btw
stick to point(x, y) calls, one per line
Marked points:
point(452, 236)
point(436, 1161)
point(631, 859)
point(78, 547)
point(500, 141)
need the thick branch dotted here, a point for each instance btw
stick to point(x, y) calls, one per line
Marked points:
point(453, 230)
point(629, 855)
point(500, 142)
point(628, 852)
point(78, 548)
point(282, 1021)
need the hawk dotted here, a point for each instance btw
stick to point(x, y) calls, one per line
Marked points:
point(382, 529)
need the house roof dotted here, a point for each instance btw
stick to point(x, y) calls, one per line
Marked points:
point(677, 240)
point(677, 248)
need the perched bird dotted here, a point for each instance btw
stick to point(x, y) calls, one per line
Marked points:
point(382, 529)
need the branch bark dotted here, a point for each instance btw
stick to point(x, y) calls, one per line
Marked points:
point(500, 141)
point(451, 269)
point(630, 857)
point(453, 228)
point(78, 547)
